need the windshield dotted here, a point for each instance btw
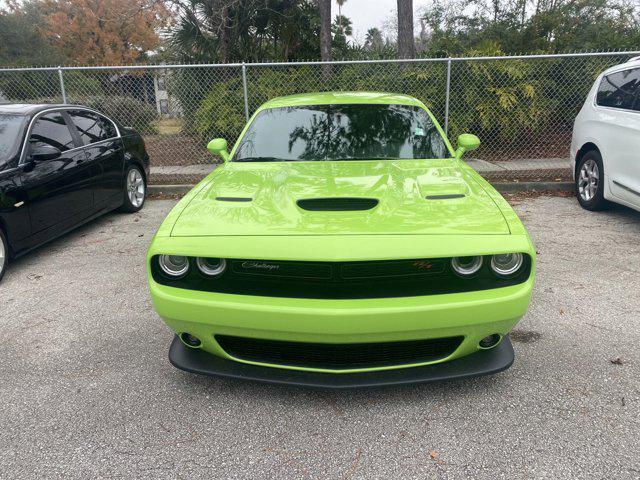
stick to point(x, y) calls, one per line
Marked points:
point(341, 132)
point(10, 137)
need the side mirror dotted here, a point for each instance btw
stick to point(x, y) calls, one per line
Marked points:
point(43, 152)
point(218, 146)
point(466, 142)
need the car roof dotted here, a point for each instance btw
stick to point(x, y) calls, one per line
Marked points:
point(331, 98)
point(631, 63)
point(30, 108)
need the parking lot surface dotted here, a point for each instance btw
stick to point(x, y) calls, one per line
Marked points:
point(87, 391)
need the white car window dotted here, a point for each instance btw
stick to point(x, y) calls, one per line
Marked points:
point(620, 90)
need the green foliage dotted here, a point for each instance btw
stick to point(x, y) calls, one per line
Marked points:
point(26, 86)
point(21, 43)
point(499, 100)
point(246, 30)
point(220, 115)
point(221, 112)
point(77, 84)
point(127, 111)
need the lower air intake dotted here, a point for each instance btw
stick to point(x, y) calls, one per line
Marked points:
point(338, 356)
point(337, 204)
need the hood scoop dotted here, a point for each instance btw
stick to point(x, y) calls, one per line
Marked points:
point(337, 204)
point(234, 199)
point(447, 196)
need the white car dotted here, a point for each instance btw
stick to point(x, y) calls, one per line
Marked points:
point(605, 148)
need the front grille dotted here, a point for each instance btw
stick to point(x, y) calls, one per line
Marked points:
point(338, 356)
point(340, 280)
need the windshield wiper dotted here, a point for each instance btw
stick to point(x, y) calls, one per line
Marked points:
point(260, 159)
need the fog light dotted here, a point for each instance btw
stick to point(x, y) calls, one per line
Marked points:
point(490, 341)
point(190, 340)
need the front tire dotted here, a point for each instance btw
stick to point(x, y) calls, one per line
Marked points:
point(4, 254)
point(589, 184)
point(135, 190)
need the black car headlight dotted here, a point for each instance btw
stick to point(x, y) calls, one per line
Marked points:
point(211, 267)
point(506, 264)
point(466, 266)
point(174, 266)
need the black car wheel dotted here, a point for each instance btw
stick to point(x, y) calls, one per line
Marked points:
point(589, 185)
point(4, 254)
point(135, 190)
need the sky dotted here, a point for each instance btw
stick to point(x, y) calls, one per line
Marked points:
point(365, 14)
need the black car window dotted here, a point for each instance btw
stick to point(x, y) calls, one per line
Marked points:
point(11, 136)
point(341, 132)
point(51, 129)
point(92, 127)
point(620, 90)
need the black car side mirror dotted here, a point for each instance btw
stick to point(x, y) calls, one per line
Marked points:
point(43, 152)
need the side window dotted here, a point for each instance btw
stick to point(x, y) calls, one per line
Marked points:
point(92, 127)
point(620, 90)
point(51, 129)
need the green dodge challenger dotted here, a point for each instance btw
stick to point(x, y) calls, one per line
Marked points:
point(343, 243)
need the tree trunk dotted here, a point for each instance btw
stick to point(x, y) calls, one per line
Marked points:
point(324, 7)
point(223, 38)
point(406, 47)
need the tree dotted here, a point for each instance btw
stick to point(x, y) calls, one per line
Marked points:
point(406, 47)
point(94, 32)
point(21, 42)
point(245, 30)
point(373, 40)
point(340, 4)
point(324, 7)
point(341, 29)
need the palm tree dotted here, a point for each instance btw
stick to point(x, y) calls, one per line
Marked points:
point(340, 3)
point(324, 8)
point(373, 40)
point(406, 47)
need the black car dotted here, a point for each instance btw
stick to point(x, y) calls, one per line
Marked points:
point(61, 166)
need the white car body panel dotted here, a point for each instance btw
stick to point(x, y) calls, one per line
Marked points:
point(616, 134)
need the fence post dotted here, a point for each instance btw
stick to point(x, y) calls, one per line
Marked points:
point(244, 89)
point(446, 98)
point(62, 90)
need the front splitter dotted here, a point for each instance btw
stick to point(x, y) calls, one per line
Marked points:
point(484, 362)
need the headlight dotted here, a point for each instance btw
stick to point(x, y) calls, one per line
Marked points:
point(466, 266)
point(211, 267)
point(506, 264)
point(174, 265)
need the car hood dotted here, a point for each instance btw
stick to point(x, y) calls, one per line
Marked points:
point(412, 197)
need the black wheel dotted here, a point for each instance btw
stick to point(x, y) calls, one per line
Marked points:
point(589, 185)
point(135, 190)
point(4, 254)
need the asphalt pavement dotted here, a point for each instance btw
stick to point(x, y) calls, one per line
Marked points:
point(87, 391)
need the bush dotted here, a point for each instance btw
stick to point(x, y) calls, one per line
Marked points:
point(508, 103)
point(221, 110)
point(127, 111)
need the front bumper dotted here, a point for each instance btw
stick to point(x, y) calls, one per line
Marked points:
point(483, 362)
point(471, 315)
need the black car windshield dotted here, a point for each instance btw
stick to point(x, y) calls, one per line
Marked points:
point(11, 128)
point(341, 132)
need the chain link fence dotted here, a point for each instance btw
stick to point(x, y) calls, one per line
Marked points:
point(522, 108)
